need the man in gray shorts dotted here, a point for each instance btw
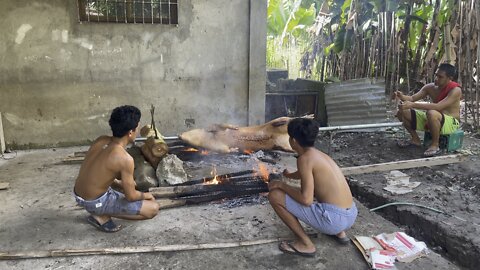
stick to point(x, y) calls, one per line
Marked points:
point(108, 164)
point(332, 213)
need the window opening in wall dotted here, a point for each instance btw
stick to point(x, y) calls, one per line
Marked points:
point(129, 11)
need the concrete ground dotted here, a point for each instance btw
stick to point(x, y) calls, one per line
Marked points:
point(38, 213)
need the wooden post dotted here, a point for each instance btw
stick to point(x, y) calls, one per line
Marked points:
point(2, 137)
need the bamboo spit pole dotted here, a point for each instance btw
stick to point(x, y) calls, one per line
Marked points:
point(379, 125)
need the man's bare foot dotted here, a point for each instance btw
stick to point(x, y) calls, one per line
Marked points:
point(101, 219)
point(342, 234)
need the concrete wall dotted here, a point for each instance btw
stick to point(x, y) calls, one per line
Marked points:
point(60, 79)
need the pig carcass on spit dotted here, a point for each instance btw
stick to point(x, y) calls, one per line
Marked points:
point(225, 138)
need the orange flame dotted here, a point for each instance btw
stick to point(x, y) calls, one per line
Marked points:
point(247, 151)
point(204, 152)
point(215, 180)
point(191, 149)
point(263, 171)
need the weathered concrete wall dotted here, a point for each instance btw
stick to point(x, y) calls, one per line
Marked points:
point(59, 79)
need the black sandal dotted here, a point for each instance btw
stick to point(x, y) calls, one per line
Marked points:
point(407, 144)
point(108, 226)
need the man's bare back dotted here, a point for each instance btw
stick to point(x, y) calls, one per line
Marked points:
point(100, 168)
point(320, 179)
point(107, 164)
point(330, 185)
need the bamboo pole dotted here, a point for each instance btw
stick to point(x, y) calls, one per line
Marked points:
point(364, 126)
point(404, 67)
point(386, 47)
point(477, 87)
point(460, 39)
point(468, 64)
point(35, 254)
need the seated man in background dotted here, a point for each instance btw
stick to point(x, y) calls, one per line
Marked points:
point(440, 117)
point(320, 178)
point(105, 162)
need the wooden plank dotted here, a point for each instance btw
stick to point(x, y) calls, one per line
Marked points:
point(404, 164)
point(73, 160)
point(4, 185)
point(395, 165)
point(167, 203)
point(15, 255)
point(80, 154)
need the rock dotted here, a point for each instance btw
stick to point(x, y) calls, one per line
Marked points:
point(170, 171)
point(144, 173)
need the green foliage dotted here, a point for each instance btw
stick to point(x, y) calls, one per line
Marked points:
point(276, 17)
point(296, 25)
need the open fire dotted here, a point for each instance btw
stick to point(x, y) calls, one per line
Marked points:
point(215, 180)
point(219, 186)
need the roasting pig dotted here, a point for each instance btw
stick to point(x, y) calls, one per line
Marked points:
point(226, 138)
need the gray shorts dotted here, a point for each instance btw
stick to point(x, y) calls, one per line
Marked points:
point(324, 217)
point(111, 202)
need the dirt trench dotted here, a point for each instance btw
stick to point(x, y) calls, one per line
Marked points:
point(453, 189)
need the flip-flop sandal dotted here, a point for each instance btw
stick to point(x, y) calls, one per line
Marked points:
point(294, 251)
point(432, 152)
point(407, 144)
point(108, 226)
point(341, 240)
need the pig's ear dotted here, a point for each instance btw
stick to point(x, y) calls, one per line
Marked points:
point(279, 123)
point(228, 126)
point(213, 128)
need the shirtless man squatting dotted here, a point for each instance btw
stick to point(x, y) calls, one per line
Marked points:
point(108, 164)
point(334, 210)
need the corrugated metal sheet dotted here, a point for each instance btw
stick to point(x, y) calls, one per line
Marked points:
point(356, 102)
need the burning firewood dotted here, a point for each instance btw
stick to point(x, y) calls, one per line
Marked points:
point(231, 187)
point(202, 198)
point(218, 177)
point(226, 138)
